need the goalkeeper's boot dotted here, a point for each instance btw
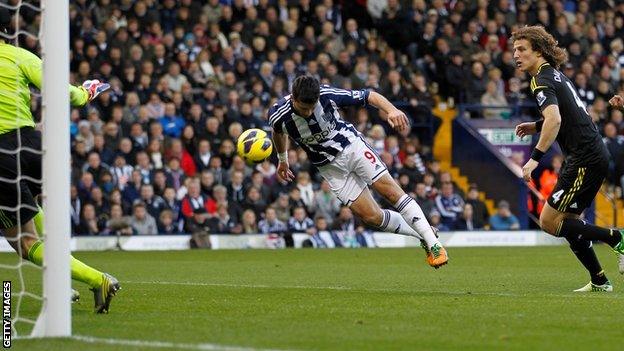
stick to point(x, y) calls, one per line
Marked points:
point(620, 263)
point(105, 293)
point(591, 287)
point(75, 295)
point(437, 256)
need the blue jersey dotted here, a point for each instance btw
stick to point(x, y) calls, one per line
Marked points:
point(324, 134)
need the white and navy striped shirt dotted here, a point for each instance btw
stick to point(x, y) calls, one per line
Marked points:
point(324, 134)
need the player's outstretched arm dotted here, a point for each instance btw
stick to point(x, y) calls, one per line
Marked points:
point(280, 140)
point(395, 117)
point(31, 65)
point(617, 101)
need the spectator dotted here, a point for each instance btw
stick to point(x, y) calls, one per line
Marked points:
point(221, 197)
point(144, 167)
point(175, 174)
point(448, 204)
point(174, 205)
point(236, 189)
point(223, 223)
point(615, 146)
point(493, 97)
point(298, 223)
point(481, 215)
point(141, 221)
point(85, 186)
point(345, 227)
point(282, 207)
point(117, 224)
point(423, 200)
point(100, 204)
point(254, 201)
point(194, 200)
point(206, 182)
point(548, 178)
point(477, 83)
point(203, 155)
point(272, 226)
point(503, 219)
point(306, 191)
point(133, 190)
point(466, 220)
point(249, 223)
point(456, 76)
point(323, 237)
point(95, 166)
point(154, 204)
point(435, 221)
point(85, 135)
point(166, 224)
point(89, 224)
point(326, 204)
point(172, 123)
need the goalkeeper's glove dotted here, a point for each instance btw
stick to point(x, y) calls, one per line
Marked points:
point(94, 87)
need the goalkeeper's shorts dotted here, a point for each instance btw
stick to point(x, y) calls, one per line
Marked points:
point(17, 196)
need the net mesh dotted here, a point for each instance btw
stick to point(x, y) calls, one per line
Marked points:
point(23, 30)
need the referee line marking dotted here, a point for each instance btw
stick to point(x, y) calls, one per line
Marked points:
point(164, 344)
point(345, 288)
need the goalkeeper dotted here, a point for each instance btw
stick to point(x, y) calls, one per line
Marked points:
point(19, 212)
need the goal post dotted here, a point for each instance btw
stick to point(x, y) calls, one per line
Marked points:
point(55, 317)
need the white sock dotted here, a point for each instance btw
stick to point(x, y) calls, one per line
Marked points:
point(414, 216)
point(393, 222)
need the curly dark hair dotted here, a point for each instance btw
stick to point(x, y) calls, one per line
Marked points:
point(542, 42)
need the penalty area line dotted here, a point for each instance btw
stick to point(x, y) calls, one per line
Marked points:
point(164, 344)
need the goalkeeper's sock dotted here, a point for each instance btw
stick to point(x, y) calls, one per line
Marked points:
point(38, 219)
point(585, 254)
point(571, 227)
point(79, 271)
point(393, 222)
point(415, 218)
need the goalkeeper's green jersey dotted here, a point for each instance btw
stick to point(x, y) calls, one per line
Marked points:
point(18, 69)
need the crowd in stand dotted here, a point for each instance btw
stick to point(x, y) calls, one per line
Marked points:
point(156, 153)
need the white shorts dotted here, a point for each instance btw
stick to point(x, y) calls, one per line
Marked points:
point(353, 169)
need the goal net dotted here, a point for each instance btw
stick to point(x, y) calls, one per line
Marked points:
point(40, 296)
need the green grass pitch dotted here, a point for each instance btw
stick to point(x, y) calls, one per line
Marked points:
point(365, 299)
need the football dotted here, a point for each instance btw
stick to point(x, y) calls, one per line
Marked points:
point(254, 145)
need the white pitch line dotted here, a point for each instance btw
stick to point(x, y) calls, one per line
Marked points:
point(373, 290)
point(164, 344)
point(341, 288)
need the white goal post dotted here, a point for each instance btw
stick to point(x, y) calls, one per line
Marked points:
point(55, 317)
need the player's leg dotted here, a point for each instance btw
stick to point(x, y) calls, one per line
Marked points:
point(367, 165)
point(575, 190)
point(407, 207)
point(23, 237)
point(582, 248)
point(350, 188)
